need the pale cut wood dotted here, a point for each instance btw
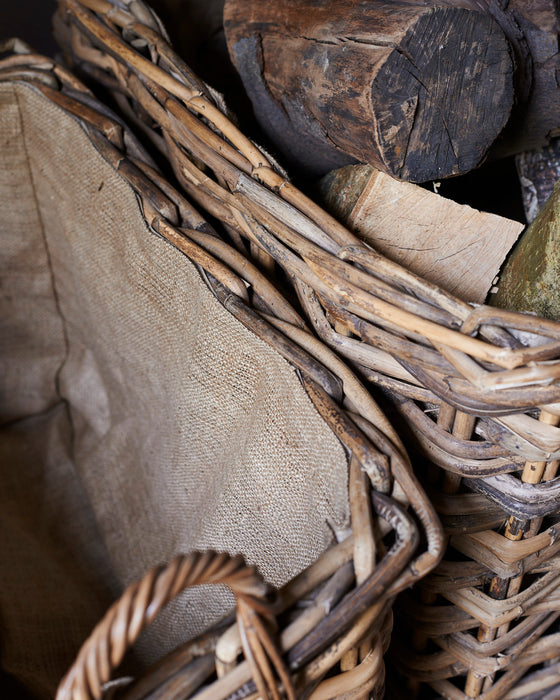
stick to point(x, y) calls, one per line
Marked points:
point(452, 245)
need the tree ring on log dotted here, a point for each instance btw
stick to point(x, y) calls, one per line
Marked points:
point(418, 90)
point(443, 95)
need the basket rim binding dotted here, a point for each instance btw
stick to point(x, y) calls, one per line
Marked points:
point(447, 322)
point(400, 332)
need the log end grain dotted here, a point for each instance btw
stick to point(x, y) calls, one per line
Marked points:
point(452, 245)
point(420, 92)
point(443, 95)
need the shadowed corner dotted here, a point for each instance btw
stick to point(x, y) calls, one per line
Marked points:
point(30, 20)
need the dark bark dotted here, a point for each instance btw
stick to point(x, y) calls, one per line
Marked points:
point(539, 171)
point(536, 117)
point(421, 89)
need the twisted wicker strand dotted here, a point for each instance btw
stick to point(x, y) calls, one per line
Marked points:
point(174, 88)
point(142, 601)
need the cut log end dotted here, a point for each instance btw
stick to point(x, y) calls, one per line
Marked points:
point(456, 247)
point(443, 95)
point(418, 91)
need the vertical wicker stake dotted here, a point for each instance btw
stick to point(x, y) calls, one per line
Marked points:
point(533, 473)
point(460, 425)
point(364, 548)
point(463, 426)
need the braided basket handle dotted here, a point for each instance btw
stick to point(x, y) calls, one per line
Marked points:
point(105, 648)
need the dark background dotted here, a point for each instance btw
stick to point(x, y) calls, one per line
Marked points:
point(29, 20)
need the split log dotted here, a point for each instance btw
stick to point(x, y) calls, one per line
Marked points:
point(418, 88)
point(450, 244)
point(530, 280)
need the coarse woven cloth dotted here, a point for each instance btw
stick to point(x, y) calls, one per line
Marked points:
point(139, 418)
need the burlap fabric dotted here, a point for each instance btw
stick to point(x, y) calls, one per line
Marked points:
point(139, 419)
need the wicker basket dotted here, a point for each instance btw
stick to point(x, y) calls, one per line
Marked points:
point(477, 387)
point(324, 633)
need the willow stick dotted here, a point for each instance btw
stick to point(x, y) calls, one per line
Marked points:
point(364, 541)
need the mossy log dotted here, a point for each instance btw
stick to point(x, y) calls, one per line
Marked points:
point(530, 280)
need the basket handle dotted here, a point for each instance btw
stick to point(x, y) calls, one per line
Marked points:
point(105, 648)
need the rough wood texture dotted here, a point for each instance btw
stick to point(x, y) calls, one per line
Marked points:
point(418, 90)
point(537, 117)
point(530, 281)
point(538, 171)
point(449, 244)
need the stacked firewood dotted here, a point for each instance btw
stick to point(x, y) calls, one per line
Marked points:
point(418, 91)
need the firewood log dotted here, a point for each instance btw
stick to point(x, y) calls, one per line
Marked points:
point(535, 119)
point(449, 244)
point(539, 171)
point(530, 280)
point(420, 89)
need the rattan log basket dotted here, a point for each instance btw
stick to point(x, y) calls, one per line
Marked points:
point(478, 387)
point(324, 634)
